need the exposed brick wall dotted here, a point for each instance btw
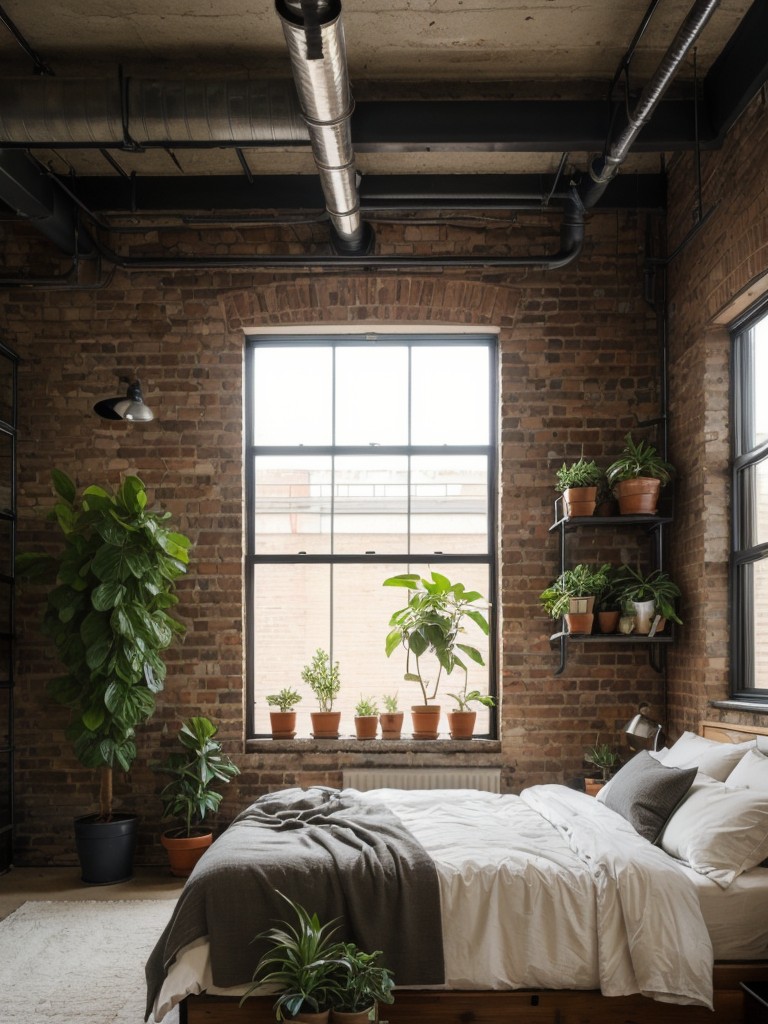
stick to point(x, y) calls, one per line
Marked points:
point(728, 253)
point(579, 367)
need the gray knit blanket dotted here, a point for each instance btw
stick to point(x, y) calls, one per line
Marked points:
point(343, 858)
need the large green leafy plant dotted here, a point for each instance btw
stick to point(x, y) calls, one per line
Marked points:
point(108, 615)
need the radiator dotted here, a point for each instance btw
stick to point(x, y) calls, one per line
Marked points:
point(488, 779)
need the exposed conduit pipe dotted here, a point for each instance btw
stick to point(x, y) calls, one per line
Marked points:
point(315, 38)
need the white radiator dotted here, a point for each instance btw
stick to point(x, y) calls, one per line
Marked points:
point(488, 779)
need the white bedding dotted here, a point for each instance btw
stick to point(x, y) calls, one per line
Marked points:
point(547, 890)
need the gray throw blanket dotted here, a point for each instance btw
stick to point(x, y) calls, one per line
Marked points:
point(336, 855)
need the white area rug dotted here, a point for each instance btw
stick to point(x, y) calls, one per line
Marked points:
point(79, 962)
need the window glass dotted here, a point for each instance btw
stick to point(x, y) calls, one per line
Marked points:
point(449, 503)
point(292, 504)
point(372, 395)
point(370, 504)
point(292, 395)
point(450, 395)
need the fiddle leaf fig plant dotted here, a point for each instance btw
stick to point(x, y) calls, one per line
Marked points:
point(108, 613)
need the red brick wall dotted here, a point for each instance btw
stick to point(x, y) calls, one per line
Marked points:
point(722, 260)
point(579, 367)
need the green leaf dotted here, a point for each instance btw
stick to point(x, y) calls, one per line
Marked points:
point(109, 564)
point(472, 652)
point(63, 485)
point(403, 580)
point(133, 495)
point(107, 595)
point(478, 618)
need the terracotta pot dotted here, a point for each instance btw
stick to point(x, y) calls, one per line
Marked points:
point(391, 724)
point(283, 724)
point(325, 724)
point(356, 1017)
point(579, 501)
point(426, 721)
point(639, 496)
point(608, 622)
point(579, 622)
point(593, 786)
point(462, 724)
point(313, 1018)
point(185, 851)
point(366, 726)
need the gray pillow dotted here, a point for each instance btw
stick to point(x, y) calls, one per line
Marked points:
point(646, 793)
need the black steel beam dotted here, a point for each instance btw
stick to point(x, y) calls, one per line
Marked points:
point(377, 192)
point(739, 71)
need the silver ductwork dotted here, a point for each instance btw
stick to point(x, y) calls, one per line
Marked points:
point(315, 38)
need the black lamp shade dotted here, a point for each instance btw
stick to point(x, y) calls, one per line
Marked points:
point(130, 406)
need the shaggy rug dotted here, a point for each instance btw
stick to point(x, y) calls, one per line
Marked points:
point(79, 962)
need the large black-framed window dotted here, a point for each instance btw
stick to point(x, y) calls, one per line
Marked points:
point(749, 527)
point(367, 455)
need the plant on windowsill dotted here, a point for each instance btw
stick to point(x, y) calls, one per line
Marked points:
point(108, 613)
point(462, 719)
point(637, 476)
point(572, 595)
point(283, 720)
point(323, 678)
point(191, 793)
point(648, 595)
point(432, 623)
point(366, 719)
point(391, 718)
point(578, 484)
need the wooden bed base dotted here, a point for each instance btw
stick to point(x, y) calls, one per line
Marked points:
point(526, 1006)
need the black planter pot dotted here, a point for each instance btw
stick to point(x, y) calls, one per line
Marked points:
point(106, 848)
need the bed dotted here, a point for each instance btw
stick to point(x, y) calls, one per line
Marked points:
point(552, 906)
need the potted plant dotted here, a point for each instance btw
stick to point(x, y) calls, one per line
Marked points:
point(637, 477)
point(324, 680)
point(108, 615)
point(461, 720)
point(608, 604)
point(362, 984)
point(304, 963)
point(283, 721)
point(191, 793)
point(432, 623)
point(603, 757)
point(578, 484)
point(391, 718)
point(366, 719)
point(572, 595)
point(648, 595)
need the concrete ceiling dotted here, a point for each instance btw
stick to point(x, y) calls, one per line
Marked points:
point(540, 74)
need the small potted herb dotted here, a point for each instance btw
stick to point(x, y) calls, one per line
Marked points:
point(324, 679)
point(578, 483)
point(391, 718)
point(461, 720)
point(604, 758)
point(637, 476)
point(362, 985)
point(366, 719)
point(283, 720)
point(572, 595)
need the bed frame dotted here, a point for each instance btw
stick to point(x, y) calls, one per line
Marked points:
point(526, 1006)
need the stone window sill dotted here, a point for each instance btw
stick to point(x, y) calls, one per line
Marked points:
point(443, 749)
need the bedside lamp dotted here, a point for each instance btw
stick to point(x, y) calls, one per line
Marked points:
point(641, 729)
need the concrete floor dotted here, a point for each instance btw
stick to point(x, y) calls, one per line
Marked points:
point(21, 884)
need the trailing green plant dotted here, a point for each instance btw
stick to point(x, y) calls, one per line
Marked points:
point(365, 707)
point(656, 586)
point(108, 615)
point(579, 581)
point(304, 963)
point(432, 622)
point(579, 474)
point(194, 773)
point(323, 679)
point(362, 983)
point(602, 756)
point(639, 458)
point(390, 703)
point(284, 699)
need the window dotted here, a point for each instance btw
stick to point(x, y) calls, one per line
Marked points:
point(749, 558)
point(367, 456)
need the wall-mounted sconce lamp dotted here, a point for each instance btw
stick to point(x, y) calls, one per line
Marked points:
point(642, 731)
point(130, 406)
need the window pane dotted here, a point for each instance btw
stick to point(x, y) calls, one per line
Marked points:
point(372, 395)
point(291, 619)
point(753, 504)
point(450, 395)
point(449, 504)
point(292, 395)
point(760, 382)
point(292, 504)
point(370, 504)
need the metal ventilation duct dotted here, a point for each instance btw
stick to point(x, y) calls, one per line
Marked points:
point(315, 38)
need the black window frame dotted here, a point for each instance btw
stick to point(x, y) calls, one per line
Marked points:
point(428, 338)
point(743, 554)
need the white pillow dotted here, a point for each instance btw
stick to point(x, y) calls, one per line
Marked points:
point(751, 771)
point(710, 756)
point(718, 830)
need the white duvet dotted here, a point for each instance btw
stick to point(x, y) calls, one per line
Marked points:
point(549, 890)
